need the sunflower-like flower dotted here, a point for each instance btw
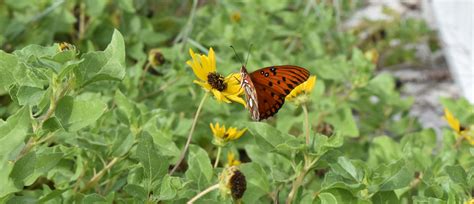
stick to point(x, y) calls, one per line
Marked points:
point(233, 182)
point(155, 57)
point(226, 89)
point(231, 161)
point(301, 92)
point(457, 127)
point(222, 135)
point(64, 46)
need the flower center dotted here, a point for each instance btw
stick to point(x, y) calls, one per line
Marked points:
point(216, 81)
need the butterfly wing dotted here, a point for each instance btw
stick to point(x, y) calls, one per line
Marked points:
point(273, 84)
point(250, 93)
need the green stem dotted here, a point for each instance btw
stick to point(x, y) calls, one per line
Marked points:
point(201, 194)
point(218, 156)
point(308, 164)
point(306, 116)
point(190, 135)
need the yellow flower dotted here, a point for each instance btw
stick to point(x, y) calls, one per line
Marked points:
point(372, 55)
point(235, 16)
point(302, 90)
point(223, 135)
point(64, 46)
point(452, 121)
point(233, 182)
point(226, 89)
point(456, 126)
point(231, 161)
point(155, 57)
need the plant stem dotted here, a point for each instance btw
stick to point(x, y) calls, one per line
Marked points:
point(190, 135)
point(306, 116)
point(201, 194)
point(308, 164)
point(296, 184)
point(218, 156)
point(93, 181)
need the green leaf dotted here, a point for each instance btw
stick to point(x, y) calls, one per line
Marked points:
point(393, 176)
point(170, 187)
point(23, 168)
point(155, 166)
point(327, 198)
point(103, 65)
point(75, 114)
point(257, 182)
point(323, 143)
point(199, 167)
point(29, 95)
point(345, 168)
point(385, 197)
point(457, 174)
point(384, 150)
point(268, 137)
point(344, 122)
point(342, 195)
point(126, 107)
point(44, 163)
point(8, 66)
point(136, 191)
point(13, 134)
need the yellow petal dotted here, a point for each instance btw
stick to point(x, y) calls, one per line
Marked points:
point(205, 64)
point(204, 85)
point(237, 99)
point(309, 84)
point(196, 66)
point(452, 121)
point(212, 60)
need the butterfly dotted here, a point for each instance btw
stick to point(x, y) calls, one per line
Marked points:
point(266, 89)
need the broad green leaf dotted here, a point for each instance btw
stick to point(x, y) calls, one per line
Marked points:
point(342, 195)
point(44, 163)
point(199, 167)
point(383, 150)
point(327, 198)
point(76, 114)
point(345, 168)
point(267, 137)
point(103, 65)
point(322, 143)
point(393, 176)
point(23, 168)
point(257, 182)
point(138, 192)
point(29, 95)
point(155, 166)
point(344, 122)
point(385, 197)
point(13, 134)
point(126, 106)
point(457, 174)
point(122, 144)
point(8, 66)
point(170, 187)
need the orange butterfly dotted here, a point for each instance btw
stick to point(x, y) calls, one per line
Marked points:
point(266, 88)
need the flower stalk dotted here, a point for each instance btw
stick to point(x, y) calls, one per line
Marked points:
point(190, 135)
point(219, 149)
point(203, 193)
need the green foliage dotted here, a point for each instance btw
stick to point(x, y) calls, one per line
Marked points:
point(95, 121)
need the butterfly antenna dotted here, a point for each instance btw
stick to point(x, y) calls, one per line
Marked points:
point(248, 54)
point(238, 57)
